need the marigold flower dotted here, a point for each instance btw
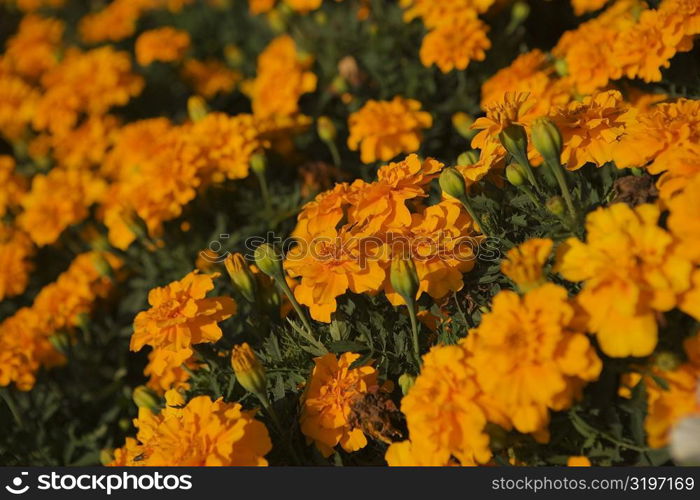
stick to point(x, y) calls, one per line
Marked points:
point(591, 128)
point(13, 185)
point(531, 356)
point(683, 221)
point(524, 264)
point(444, 412)
point(249, 371)
point(327, 402)
point(180, 316)
point(664, 138)
point(578, 461)
point(18, 102)
point(455, 44)
point(210, 78)
point(631, 269)
point(200, 433)
point(163, 44)
point(34, 48)
point(57, 200)
point(435, 13)
point(15, 251)
point(171, 377)
point(260, 6)
point(515, 109)
point(383, 129)
point(115, 22)
point(303, 6)
point(282, 78)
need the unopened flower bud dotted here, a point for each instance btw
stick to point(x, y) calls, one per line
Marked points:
point(468, 158)
point(249, 370)
point(514, 139)
point(404, 278)
point(561, 67)
point(144, 397)
point(520, 12)
point(276, 19)
point(667, 361)
point(515, 174)
point(269, 261)
point(234, 55)
point(462, 123)
point(61, 342)
point(241, 276)
point(258, 163)
point(406, 381)
point(326, 129)
point(106, 456)
point(547, 140)
point(556, 205)
point(452, 183)
point(197, 108)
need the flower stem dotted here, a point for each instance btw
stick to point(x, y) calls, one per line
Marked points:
point(558, 172)
point(334, 153)
point(525, 163)
point(414, 330)
point(282, 283)
point(264, 190)
point(472, 213)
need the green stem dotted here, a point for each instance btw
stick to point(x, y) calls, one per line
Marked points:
point(472, 213)
point(272, 413)
point(282, 283)
point(264, 190)
point(521, 158)
point(334, 153)
point(530, 194)
point(414, 330)
point(564, 188)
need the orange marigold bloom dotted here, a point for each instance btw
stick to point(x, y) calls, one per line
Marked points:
point(57, 200)
point(631, 270)
point(580, 8)
point(683, 221)
point(282, 78)
point(382, 204)
point(210, 78)
point(163, 44)
point(665, 138)
point(86, 145)
point(591, 128)
point(454, 45)
point(200, 433)
point(172, 377)
point(531, 356)
point(13, 185)
point(115, 22)
point(180, 316)
point(90, 82)
point(435, 13)
point(330, 264)
point(441, 247)
point(514, 109)
point(445, 413)
point(383, 129)
point(528, 73)
point(524, 264)
point(18, 102)
point(328, 399)
point(15, 251)
point(34, 49)
point(324, 211)
point(578, 461)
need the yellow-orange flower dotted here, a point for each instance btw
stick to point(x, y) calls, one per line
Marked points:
point(163, 44)
point(13, 185)
point(591, 128)
point(531, 355)
point(383, 129)
point(15, 252)
point(524, 264)
point(18, 102)
point(435, 13)
point(34, 49)
point(328, 399)
point(683, 221)
point(260, 6)
point(303, 6)
point(200, 433)
point(180, 316)
point(514, 109)
point(210, 78)
point(57, 200)
point(445, 414)
point(578, 461)
point(631, 270)
point(282, 78)
point(454, 45)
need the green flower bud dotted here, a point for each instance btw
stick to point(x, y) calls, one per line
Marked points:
point(106, 456)
point(452, 183)
point(515, 174)
point(561, 67)
point(520, 12)
point(667, 361)
point(462, 123)
point(556, 205)
point(269, 261)
point(547, 140)
point(514, 139)
point(144, 397)
point(241, 276)
point(326, 129)
point(406, 381)
point(468, 158)
point(404, 278)
point(249, 370)
point(197, 108)
point(258, 163)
